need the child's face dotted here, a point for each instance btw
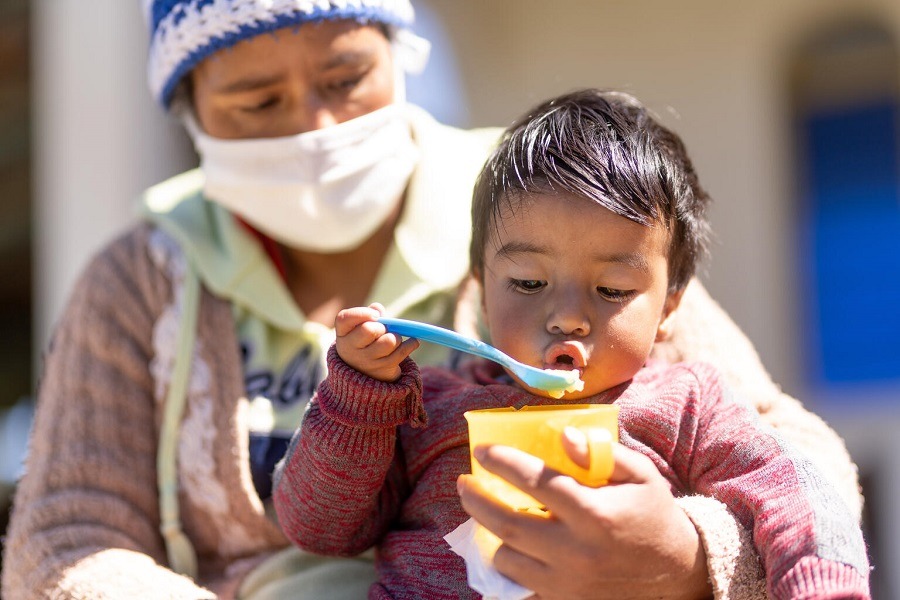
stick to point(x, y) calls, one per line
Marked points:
point(569, 284)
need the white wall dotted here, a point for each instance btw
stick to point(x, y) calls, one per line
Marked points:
point(98, 137)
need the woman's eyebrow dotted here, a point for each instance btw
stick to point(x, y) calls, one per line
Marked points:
point(260, 80)
point(251, 82)
point(351, 57)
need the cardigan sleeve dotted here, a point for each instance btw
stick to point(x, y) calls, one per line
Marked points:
point(342, 480)
point(735, 571)
point(85, 519)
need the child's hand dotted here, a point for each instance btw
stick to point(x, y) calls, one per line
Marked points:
point(364, 343)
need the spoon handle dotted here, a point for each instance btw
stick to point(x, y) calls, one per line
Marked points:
point(444, 337)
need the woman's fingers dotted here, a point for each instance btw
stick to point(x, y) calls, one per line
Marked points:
point(575, 443)
point(631, 466)
point(521, 568)
point(561, 494)
point(548, 486)
point(526, 533)
point(564, 497)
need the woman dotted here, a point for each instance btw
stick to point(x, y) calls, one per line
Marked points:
point(191, 345)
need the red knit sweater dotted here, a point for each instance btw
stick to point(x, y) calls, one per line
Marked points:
point(365, 470)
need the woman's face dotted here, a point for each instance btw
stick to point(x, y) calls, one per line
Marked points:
point(294, 80)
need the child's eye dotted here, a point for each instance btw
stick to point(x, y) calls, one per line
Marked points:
point(527, 286)
point(614, 295)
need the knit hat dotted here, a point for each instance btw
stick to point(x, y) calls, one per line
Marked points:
point(184, 32)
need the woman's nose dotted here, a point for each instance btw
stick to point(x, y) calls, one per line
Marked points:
point(322, 118)
point(310, 111)
point(314, 116)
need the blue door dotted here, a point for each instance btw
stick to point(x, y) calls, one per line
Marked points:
point(850, 246)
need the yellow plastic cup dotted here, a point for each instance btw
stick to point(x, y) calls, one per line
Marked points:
point(537, 430)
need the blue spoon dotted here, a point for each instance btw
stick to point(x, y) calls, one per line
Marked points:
point(555, 382)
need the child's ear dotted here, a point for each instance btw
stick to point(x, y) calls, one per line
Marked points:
point(667, 320)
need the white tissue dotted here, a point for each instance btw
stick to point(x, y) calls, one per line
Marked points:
point(477, 546)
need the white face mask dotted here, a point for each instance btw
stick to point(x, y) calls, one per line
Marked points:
point(326, 190)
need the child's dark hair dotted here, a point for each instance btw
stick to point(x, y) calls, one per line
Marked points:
point(605, 147)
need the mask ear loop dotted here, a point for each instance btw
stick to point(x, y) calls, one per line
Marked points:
point(182, 110)
point(410, 55)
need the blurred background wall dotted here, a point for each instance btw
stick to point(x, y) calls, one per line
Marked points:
point(788, 108)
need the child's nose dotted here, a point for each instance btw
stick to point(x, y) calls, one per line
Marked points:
point(569, 317)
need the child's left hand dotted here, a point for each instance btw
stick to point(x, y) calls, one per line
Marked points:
point(364, 343)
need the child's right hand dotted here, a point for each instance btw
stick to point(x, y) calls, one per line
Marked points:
point(364, 343)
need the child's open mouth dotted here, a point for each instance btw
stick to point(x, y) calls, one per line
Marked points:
point(564, 360)
point(565, 356)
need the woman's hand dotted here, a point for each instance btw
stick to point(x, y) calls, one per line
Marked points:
point(625, 540)
point(364, 343)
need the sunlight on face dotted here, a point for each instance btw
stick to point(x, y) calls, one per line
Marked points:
point(569, 284)
point(294, 80)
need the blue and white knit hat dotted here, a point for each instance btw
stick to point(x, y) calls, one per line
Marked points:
point(184, 32)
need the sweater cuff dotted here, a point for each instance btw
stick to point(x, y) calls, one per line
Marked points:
point(735, 570)
point(357, 400)
point(814, 577)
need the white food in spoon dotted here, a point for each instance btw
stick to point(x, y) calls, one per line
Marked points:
point(573, 379)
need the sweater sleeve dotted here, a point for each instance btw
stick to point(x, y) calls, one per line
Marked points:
point(808, 538)
point(86, 517)
point(342, 480)
point(704, 332)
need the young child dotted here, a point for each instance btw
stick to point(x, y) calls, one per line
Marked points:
point(588, 222)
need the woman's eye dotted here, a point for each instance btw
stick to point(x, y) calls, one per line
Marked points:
point(615, 295)
point(529, 286)
point(346, 85)
point(261, 106)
